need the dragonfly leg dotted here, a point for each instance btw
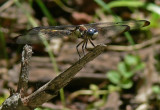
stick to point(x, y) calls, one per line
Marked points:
point(83, 46)
point(86, 44)
point(77, 48)
point(91, 42)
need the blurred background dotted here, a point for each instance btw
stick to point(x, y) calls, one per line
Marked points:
point(125, 77)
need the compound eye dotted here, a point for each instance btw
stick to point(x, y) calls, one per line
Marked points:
point(93, 33)
point(94, 36)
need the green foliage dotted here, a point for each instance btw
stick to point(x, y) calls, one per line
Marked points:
point(94, 88)
point(113, 77)
point(126, 3)
point(122, 77)
point(156, 91)
point(113, 88)
point(97, 93)
point(3, 98)
point(153, 8)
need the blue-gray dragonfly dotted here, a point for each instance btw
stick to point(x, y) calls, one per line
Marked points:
point(87, 32)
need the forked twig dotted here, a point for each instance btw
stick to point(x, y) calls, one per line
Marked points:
point(14, 101)
point(50, 89)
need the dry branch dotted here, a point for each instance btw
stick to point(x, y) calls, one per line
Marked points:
point(50, 89)
point(14, 101)
point(23, 77)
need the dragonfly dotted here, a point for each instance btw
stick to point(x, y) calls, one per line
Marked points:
point(86, 32)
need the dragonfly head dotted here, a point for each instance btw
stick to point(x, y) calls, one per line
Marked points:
point(92, 33)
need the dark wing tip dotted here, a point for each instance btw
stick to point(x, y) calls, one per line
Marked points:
point(146, 23)
point(127, 28)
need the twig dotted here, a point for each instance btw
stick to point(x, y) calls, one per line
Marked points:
point(14, 101)
point(23, 78)
point(49, 90)
point(134, 47)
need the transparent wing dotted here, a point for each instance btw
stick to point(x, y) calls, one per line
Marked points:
point(112, 30)
point(33, 35)
point(106, 34)
point(106, 29)
point(134, 24)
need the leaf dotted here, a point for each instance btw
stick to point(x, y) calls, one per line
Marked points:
point(156, 89)
point(113, 88)
point(126, 3)
point(126, 84)
point(122, 67)
point(128, 75)
point(154, 8)
point(139, 67)
point(93, 87)
point(131, 60)
point(114, 77)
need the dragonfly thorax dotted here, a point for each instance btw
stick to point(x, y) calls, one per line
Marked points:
point(80, 31)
